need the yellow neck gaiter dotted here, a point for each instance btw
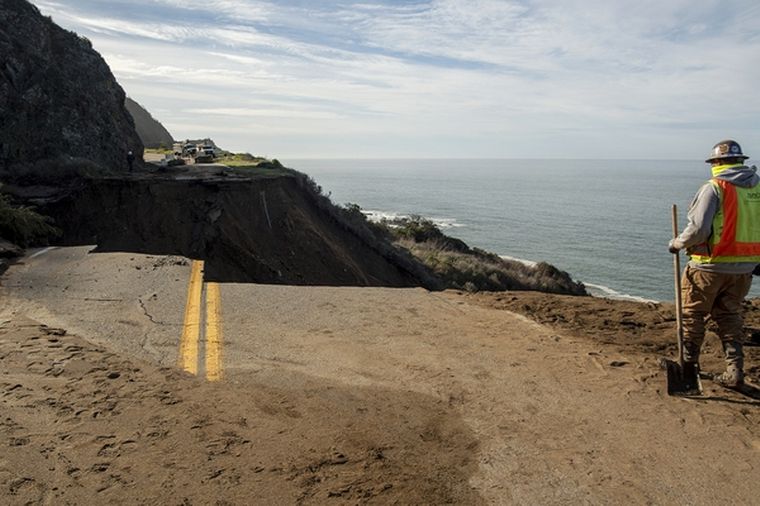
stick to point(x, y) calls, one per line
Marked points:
point(717, 169)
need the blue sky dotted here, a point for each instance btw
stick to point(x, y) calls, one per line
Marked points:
point(441, 78)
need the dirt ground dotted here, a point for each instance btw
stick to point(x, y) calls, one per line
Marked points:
point(81, 425)
point(643, 327)
point(365, 396)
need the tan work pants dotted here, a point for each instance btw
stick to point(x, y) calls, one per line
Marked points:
point(719, 296)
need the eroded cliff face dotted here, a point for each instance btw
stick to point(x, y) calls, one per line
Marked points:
point(58, 97)
point(263, 230)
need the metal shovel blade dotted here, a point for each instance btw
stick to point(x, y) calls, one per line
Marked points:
point(683, 381)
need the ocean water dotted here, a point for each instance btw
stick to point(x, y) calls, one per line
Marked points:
point(606, 222)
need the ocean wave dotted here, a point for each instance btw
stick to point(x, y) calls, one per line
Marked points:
point(601, 291)
point(529, 263)
point(442, 223)
point(605, 292)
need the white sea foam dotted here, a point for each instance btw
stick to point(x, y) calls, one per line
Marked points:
point(595, 290)
point(442, 223)
point(381, 215)
point(606, 292)
point(446, 222)
point(529, 263)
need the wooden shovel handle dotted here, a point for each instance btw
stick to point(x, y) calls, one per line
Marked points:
point(677, 282)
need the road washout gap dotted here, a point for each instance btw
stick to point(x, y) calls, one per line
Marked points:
point(246, 229)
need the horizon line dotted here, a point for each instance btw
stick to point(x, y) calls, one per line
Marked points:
point(490, 158)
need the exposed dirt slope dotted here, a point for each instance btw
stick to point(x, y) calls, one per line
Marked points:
point(246, 229)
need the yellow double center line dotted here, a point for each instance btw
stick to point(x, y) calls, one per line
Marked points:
point(213, 332)
point(191, 331)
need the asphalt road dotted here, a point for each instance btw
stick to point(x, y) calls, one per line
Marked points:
point(159, 308)
point(132, 303)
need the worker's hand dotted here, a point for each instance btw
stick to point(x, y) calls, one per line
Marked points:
point(673, 246)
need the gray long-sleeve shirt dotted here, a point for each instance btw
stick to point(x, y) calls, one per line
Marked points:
point(702, 211)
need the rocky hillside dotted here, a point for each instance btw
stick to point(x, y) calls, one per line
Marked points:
point(152, 133)
point(58, 97)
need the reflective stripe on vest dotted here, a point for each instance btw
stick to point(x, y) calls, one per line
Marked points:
point(735, 229)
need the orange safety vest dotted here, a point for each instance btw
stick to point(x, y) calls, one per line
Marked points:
point(735, 233)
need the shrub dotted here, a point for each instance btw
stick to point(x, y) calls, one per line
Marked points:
point(423, 230)
point(472, 269)
point(241, 158)
point(416, 228)
point(23, 226)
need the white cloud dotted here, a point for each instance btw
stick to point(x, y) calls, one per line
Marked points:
point(241, 112)
point(370, 78)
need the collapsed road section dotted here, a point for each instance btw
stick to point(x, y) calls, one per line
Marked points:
point(268, 229)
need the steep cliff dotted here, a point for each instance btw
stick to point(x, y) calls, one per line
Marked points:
point(58, 97)
point(152, 133)
point(263, 229)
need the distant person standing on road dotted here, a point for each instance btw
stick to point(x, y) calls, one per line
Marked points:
point(130, 160)
point(723, 240)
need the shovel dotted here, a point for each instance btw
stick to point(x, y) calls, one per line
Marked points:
point(683, 377)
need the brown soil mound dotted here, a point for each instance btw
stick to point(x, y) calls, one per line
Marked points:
point(650, 327)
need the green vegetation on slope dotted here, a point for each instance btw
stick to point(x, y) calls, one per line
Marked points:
point(473, 269)
point(21, 225)
point(248, 161)
point(159, 151)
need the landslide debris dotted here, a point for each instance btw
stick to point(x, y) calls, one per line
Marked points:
point(648, 327)
point(152, 133)
point(58, 100)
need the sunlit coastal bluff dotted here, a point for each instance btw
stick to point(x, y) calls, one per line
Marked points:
point(434, 252)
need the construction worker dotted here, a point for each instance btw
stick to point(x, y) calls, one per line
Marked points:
point(723, 240)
